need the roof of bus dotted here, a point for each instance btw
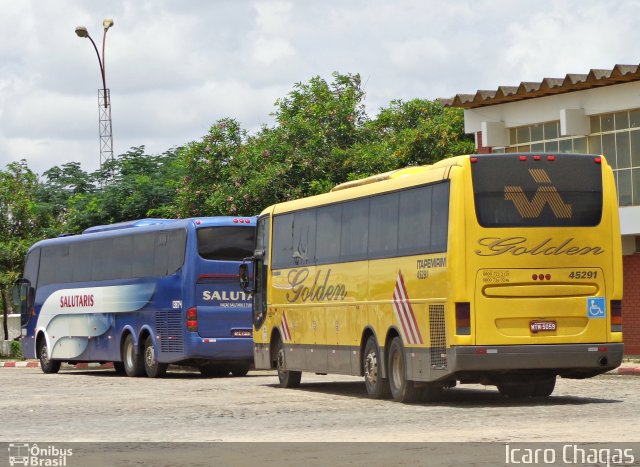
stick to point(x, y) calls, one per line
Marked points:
point(389, 181)
point(149, 225)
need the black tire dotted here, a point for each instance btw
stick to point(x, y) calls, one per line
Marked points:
point(119, 367)
point(239, 370)
point(287, 378)
point(214, 371)
point(544, 388)
point(133, 361)
point(377, 387)
point(152, 367)
point(47, 365)
point(516, 390)
point(402, 390)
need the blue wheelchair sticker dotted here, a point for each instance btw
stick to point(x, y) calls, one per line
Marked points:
point(596, 307)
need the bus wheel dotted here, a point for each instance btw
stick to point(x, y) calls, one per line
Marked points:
point(402, 389)
point(377, 387)
point(516, 390)
point(288, 379)
point(240, 370)
point(133, 362)
point(152, 367)
point(119, 367)
point(544, 388)
point(46, 364)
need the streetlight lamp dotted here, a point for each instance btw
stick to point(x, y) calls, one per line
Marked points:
point(106, 137)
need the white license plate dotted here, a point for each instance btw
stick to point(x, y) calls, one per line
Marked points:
point(538, 326)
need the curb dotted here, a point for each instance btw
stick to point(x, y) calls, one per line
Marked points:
point(633, 371)
point(27, 364)
point(77, 366)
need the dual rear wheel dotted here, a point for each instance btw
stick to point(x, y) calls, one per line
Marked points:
point(135, 363)
point(397, 385)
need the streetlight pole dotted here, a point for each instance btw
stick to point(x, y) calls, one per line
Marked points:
point(104, 101)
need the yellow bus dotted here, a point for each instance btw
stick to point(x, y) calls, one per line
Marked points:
point(501, 269)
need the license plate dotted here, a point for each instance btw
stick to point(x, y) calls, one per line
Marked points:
point(537, 326)
point(241, 333)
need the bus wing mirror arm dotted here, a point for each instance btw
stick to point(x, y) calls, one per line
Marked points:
point(243, 274)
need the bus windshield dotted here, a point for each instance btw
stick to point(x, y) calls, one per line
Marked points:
point(526, 190)
point(225, 243)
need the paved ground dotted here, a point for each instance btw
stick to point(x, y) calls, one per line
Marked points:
point(97, 405)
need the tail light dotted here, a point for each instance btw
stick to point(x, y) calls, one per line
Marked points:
point(192, 319)
point(463, 319)
point(616, 315)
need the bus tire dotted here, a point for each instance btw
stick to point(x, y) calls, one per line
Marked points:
point(240, 370)
point(287, 378)
point(133, 361)
point(119, 367)
point(47, 365)
point(402, 390)
point(377, 387)
point(152, 367)
point(544, 388)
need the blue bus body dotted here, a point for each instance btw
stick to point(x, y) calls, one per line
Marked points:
point(164, 290)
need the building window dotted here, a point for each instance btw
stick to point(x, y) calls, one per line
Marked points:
point(543, 137)
point(617, 136)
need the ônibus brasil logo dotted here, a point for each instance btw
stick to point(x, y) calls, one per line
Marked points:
point(34, 455)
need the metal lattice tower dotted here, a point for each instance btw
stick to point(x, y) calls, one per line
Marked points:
point(106, 136)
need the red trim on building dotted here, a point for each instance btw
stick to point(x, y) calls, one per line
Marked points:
point(631, 305)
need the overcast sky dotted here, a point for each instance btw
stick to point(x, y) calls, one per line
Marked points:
point(175, 67)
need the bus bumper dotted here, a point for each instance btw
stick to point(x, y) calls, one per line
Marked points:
point(568, 360)
point(218, 349)
point(482, 363)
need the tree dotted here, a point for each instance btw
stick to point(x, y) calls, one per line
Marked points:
point(21, 225)
point(60, 184)
point(230, 172)
point(416, 132)
point(134, 185)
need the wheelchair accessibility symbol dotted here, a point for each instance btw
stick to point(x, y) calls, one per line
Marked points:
point(596, 307)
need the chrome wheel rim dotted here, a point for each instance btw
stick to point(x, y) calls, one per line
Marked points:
point(396, 369)
point(149, 356)
point(280, 362)
point(129, 354)
point(44, 355)
point(371, 368)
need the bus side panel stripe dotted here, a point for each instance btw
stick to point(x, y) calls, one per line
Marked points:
point(401, 318)
point(285, 328)
point(408, 310)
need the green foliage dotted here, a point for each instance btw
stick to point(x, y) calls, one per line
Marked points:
point(416, 132)
point(133, 185)
point(22, 219)
point(16, 350)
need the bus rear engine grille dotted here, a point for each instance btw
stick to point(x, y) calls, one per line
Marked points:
point(438, 337)
point(169, 328)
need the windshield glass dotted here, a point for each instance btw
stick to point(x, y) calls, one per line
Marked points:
point(226, 243)
point(523, 190)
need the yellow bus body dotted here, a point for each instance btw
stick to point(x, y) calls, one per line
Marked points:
point(323, 315)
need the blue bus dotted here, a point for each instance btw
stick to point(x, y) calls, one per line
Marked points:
point(141, 294)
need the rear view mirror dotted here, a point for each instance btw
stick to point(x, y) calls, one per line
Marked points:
point(243, 274)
